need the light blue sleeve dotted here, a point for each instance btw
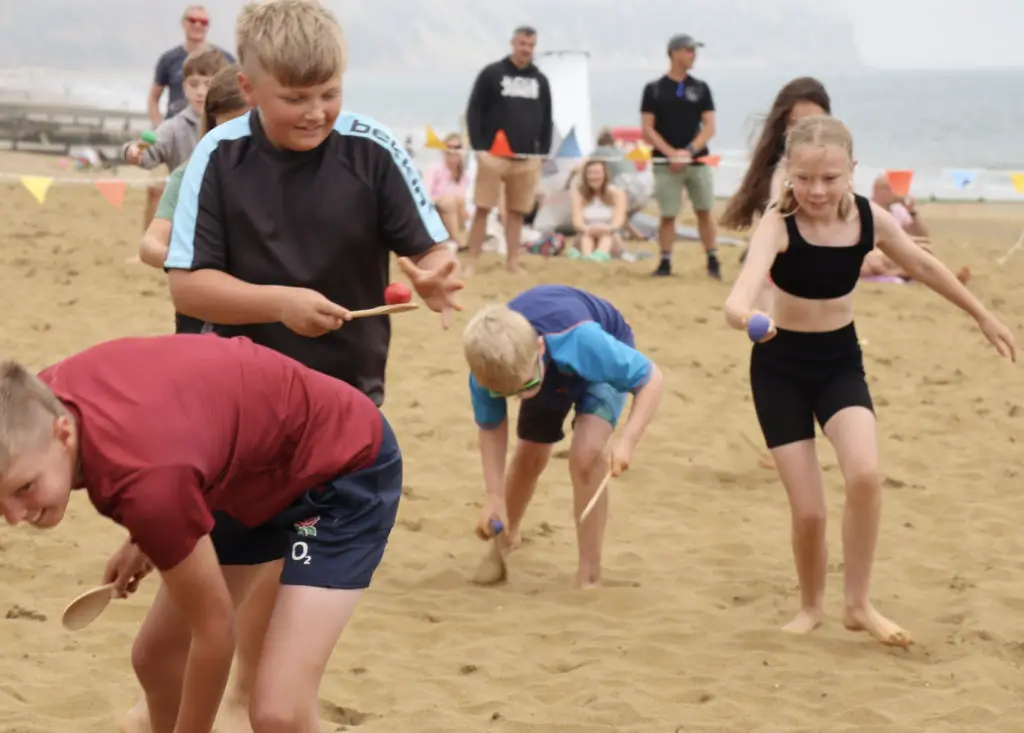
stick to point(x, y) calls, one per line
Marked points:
point(488, 412)
point(588, 351)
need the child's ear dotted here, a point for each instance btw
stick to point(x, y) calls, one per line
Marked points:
point(541, 345)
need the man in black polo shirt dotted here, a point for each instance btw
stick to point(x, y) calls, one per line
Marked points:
point(677, 114)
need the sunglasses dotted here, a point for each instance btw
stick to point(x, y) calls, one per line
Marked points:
point(531, 384)
point(198, 21)
point(454, 148)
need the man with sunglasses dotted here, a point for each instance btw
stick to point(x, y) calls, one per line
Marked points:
point(677, 115)
point(559, 350)
point(195, 21)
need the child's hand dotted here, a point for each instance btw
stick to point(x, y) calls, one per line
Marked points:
point(133, 154)
point(494, 508)
point(126, 569)
point(309, 313)
point(1000, 336)
point(622, 454)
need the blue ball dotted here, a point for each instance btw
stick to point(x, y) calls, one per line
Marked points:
point(496, 526)
point(757, 327)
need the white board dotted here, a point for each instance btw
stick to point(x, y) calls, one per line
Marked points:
point(568, 73)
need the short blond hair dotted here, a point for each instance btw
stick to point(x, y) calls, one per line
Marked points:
point(501, 348)
point(298, 42)
point(27, 410)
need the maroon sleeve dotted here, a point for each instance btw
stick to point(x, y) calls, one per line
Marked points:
point(164, 512)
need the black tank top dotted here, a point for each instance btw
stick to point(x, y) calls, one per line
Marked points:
point(815, 272)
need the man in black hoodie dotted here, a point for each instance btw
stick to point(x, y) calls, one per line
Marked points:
point(512, 96)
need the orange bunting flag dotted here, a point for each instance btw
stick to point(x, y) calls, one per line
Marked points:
point(712, 160)
point(899, 181)
point(113, 191)
point(1018, 182)
point(433, 141)
point(500, 148)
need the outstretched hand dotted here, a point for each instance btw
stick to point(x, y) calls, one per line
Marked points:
point(1000, 336)
point(437, 287)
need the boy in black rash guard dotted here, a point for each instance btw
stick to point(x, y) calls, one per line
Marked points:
point(812, 367)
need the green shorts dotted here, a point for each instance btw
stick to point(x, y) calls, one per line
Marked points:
point(699, 181)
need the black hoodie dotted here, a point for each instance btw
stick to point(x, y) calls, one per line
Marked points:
point(515, 100)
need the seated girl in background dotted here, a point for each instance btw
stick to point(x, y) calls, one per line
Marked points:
point(598, 214)
point(447, 184)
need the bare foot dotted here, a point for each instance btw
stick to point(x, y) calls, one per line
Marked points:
point(513, 269)
point(234, 717)
point(869, 620)
point(805, 621)
point(468, 270)
point(511, 540)
point(137, 719)
point(588, 578)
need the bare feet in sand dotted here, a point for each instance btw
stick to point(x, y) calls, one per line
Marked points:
point(869, 620)
point(805, 621)
point(588, 578)
point(137, 719)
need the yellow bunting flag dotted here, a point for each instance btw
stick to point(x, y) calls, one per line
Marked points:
point(433, 141)
point(1018, 182)
point(37, 186)
point(113, 191)
point(638, 154)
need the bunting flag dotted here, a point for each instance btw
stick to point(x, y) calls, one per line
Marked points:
point(1018, 182)
point(500, 147)
point(433, 141)
point(963, 178)
point(639, 154)
point(899, 181)
point(549, 166)
point(38, 186)
point(569, 148)
point(712, 160)
point(113, 191)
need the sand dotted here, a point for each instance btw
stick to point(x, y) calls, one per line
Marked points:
point(685, 637)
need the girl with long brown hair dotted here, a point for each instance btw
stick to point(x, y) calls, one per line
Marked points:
point(598, 213)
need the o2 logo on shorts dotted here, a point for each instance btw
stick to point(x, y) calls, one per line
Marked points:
point(300, 550)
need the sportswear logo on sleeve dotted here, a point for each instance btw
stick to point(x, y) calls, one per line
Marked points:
point(400, 156)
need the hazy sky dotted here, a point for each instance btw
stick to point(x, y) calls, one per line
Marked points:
point(939, 33)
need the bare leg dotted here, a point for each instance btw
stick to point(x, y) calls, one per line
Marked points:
point(586, 244)
point(514, 238)
point(251, 623)
point(853, 433)
point(475, 242)
point(303, 632)
point(447, 208)
point(160, 652)
point(666, 236)
point(528, 463)
point(798, 468)
point(153, 194)
point(588, 464)
point(604, 244)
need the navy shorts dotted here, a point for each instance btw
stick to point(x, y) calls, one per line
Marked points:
point(333, 536)
point(541, 418)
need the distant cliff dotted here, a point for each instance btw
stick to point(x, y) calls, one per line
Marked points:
point(446, 35)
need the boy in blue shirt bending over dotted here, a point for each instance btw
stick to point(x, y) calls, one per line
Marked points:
point(558, 349)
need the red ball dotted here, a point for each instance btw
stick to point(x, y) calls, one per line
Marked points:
point(396, 293)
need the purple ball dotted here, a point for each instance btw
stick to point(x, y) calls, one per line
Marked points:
point(757, 327)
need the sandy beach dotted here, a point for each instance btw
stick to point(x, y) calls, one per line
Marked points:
point(685, 635)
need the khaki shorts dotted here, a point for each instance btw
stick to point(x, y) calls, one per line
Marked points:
point(698, 180)
point(519, 176)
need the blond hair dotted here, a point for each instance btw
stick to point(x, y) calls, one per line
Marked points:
point(204, 62)
point(501, 348)
point(819, 130)
point(27, 409)
point(298, 42)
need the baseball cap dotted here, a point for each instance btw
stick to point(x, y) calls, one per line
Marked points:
point(683, 40)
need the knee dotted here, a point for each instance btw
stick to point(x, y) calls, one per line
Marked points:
point(587, 460)
point(445, 203)
point(150, 661)
point(863, 484)
point(275, 714)
point(810, 521)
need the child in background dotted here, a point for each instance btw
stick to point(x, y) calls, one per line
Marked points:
point(217, 456)
point(224, 101)
point(177, 136)
point(558, 349)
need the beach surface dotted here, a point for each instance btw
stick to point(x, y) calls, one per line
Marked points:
point(699, 577)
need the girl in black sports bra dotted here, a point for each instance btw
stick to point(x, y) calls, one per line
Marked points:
point(810, 367)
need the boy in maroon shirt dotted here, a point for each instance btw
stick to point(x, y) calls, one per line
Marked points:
point(167, 432)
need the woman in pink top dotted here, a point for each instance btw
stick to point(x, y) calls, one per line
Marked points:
point(447, 184)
